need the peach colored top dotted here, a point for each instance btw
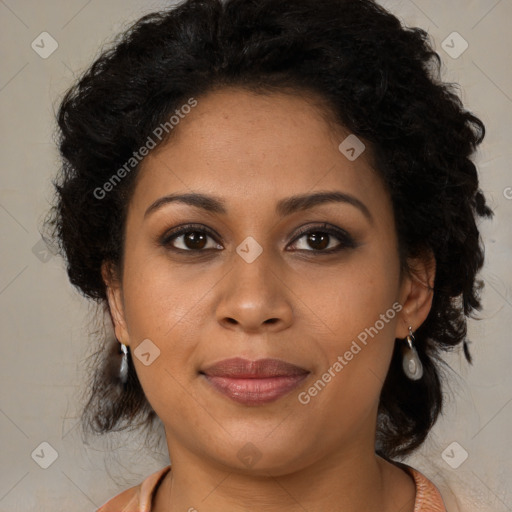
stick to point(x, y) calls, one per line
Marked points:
point(139, 498)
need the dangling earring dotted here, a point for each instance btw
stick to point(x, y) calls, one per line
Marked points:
point(123, 371)
point(411, 362)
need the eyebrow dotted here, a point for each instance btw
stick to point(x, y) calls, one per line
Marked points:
point(284, 207)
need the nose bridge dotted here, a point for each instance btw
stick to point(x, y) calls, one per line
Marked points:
point(254, 293)
point(254, 271)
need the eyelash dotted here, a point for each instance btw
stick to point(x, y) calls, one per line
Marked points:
point(346, 241)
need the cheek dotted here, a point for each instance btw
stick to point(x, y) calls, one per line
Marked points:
point(162, 299)
point(164, 306)
point(347, 300)
point(346, 389)
point(359, 309)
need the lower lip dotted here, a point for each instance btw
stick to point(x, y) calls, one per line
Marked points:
point(255, 391)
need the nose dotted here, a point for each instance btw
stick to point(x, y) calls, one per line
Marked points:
point(254, 297)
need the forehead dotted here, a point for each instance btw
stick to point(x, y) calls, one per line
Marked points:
point(250, 148)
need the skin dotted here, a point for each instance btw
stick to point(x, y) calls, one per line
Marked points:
point(252, 151)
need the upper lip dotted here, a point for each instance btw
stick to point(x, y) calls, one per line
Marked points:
point(239, 368)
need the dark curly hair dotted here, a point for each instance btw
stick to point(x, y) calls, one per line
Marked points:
point(376, 77)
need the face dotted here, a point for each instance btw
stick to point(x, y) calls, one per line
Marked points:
point(248, 273)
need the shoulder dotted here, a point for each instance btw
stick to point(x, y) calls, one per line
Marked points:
point(127, 501)
point(428, 497)
point(137, 498)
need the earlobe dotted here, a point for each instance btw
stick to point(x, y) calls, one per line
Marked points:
point(115, 302)
point(417, 293)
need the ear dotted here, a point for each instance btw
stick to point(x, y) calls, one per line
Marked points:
point(416, 293)
point(115, 301)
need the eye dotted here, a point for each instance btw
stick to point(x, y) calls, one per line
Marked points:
point(195, 238)
point(190, 238)
point(320, 238)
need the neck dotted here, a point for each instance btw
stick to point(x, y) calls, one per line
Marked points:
point(350, 482)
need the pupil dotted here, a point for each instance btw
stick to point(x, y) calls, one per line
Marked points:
point(193, 240)
point(321, 240)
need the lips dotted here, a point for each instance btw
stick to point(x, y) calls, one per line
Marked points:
point(239, 368)
point(254, 382)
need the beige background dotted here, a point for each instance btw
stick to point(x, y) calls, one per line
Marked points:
point(44, 321)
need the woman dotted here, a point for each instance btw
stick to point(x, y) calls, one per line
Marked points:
point(276, 202)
